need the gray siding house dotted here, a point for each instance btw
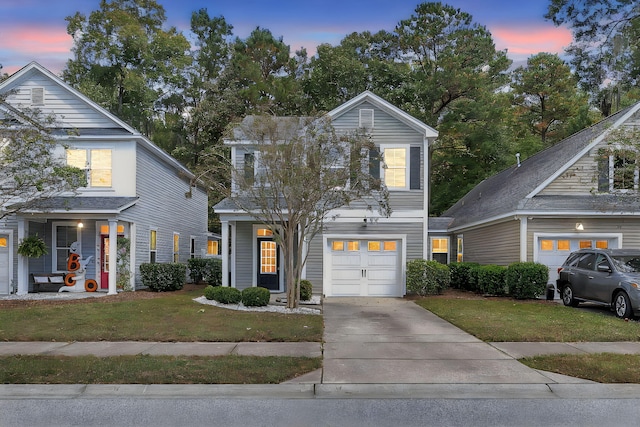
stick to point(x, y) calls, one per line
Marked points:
point(358, 253)
point(580, 193)
point(135, 190)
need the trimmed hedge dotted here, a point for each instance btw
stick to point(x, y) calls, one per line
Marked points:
point(305, 290)
point(491, 280)
point(427, 277)
point(464, 275)
point(206, 269)
point(256, 297)
point(223, 294)
point(163, 277)
point(527, 279)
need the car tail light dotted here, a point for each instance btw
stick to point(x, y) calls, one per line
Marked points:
point(559, 269)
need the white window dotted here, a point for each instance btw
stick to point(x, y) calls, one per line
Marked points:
point(623, 170)
point(396, 167)
point(176, 247)
point(213, 247)
point(37, 96)
point(64, 234)
point(366, 118)
point(192, 247)
point(440, 249)
point(153, 245)
point(96, 162)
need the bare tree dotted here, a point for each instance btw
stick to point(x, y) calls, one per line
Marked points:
point(32, 161)
point(303, 169)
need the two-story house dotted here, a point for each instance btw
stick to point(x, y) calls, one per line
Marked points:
point(135, 190)
point(358, 252)
point(580, 193)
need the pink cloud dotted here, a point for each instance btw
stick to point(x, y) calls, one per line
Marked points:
point(531, 40)
point(38, 40)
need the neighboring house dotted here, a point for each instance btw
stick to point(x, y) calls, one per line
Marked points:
point(135, 190)
point(358, 252)
point(580, 193)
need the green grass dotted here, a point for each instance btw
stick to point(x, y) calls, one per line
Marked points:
point(503, 319)
point(603, 367)
point(153, 369)
point(168, 317)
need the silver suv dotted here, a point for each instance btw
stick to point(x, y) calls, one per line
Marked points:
point(605, 276)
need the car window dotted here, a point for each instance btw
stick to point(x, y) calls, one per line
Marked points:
point(602, 260)
point(627, 264)
point(572, 260)
point(587, 261)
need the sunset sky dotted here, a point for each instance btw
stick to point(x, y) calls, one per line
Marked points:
point(35, 30)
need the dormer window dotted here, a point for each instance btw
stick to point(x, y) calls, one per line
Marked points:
point(366, 118)
point(618, 170)
point(37, 96)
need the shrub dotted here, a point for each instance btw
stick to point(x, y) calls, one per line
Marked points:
point(527, 279)
point(163, 277)
point(224, 294)
point(491, 279)
point(209, 292)
point(464, 275)
point(427, 277)
point(255, 297)
point(305, 290)
point(206, 269)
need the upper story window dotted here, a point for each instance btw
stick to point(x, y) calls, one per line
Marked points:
point(97, 163)
point(618, 170)
point(401, 169)
point(37, 96)
point(366, 118)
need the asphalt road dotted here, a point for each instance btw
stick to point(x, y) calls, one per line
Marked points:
point(317, 412)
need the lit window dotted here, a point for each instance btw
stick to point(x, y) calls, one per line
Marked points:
point(395, 172)
point(268, 259)
point(459, 256)
point(389, 246)
point(440, 245)
point(564, 245)
point(585, 244)
point(602, 244)
point(337, 245)
point(97, 163)
point(152, 245)
point(176, 247)
point(546, 245)
point(353, 246)
point(3, 242)
point(212, 247)
point(373, 246)
point(262, 232)
point(104, 229)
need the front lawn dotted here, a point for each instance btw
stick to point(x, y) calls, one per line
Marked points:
point(602, 367)
point(506, 319)
point(171, 316)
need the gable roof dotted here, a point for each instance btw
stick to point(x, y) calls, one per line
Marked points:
point(516, 189)
point(392, 110)
point(120, 127)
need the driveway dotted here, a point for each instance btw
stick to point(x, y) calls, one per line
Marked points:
point(394, 341)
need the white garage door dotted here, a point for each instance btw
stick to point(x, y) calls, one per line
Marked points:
point(368, 267)
point(553, 250)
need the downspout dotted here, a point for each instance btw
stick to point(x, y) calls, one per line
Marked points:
point(523, 238)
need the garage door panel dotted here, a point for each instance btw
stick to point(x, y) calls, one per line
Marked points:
point(383, 290)
point(390, 261)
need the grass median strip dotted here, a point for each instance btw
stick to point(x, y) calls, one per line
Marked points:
point(601, 367)
point(144, 369)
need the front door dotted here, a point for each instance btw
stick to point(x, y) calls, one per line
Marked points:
point(104, 264)
point(268, 264)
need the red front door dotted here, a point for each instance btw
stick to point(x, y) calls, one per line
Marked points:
point(104, 264)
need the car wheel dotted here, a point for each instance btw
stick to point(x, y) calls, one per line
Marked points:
point(622, 306)
point(567, 297)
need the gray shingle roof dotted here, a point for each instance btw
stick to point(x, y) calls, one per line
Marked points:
point(506, 191)
point(83, 204)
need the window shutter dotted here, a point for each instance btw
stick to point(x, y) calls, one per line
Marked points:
point(366, 118)
point(603, 174)
point(37, 96)
point(414, 168)
point(374, 163)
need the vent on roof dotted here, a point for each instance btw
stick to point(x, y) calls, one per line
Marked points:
point(366, 118)
point(37, 96)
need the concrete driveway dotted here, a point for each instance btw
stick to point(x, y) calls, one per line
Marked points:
point(394, 341)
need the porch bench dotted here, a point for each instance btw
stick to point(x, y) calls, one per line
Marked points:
point(44, 279)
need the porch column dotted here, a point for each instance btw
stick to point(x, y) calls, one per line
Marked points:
point(113, 255)
point(523, 239)
point(23, 261)
point(225, 252)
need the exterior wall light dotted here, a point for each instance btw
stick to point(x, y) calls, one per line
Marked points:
point(579, 226)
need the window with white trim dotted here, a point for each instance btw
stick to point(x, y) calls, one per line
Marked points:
point(395, 171)
point(64, 234)
point(440, 249)
point(176, 247)
point(96, 162)
point(153, 245)
point(618, 170)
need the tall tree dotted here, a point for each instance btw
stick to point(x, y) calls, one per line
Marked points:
point(452, 58)
point(304, 171)
point(547, 97)
point(125, 60)
point(33, 163)
point(605, 52)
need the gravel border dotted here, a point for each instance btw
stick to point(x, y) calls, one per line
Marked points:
point(269, 308)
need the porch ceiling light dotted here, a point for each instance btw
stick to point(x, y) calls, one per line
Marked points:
point(80, 224)
point(579, 226)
